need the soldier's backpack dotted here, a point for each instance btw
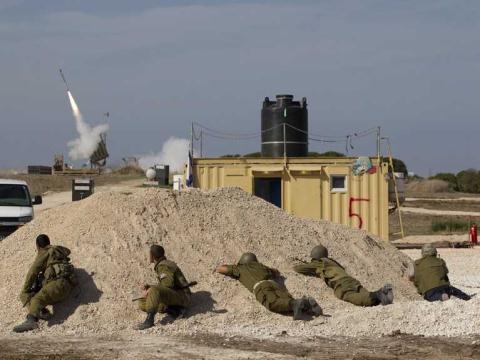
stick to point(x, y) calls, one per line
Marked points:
point(59, 264)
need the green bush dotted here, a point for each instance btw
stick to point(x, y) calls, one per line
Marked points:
point(256, 154)
point(329, 154)
point(450, 226)
point(469, 181)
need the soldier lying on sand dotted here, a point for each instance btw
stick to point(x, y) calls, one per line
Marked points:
point(259, 279)
point(344, 286)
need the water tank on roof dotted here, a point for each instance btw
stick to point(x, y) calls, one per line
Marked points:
point(294, 115)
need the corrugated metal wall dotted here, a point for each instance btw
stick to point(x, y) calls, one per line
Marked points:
point(306, 187)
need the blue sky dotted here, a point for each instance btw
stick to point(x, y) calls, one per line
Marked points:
point(411, 67)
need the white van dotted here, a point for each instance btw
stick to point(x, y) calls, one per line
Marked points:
point(16, 205)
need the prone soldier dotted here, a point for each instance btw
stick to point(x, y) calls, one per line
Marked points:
point(259, 279)
point(344, 286)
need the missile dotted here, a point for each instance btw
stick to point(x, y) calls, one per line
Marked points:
point(63, 78)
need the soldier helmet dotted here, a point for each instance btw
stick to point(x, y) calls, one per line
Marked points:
point(319, 252)
point(42, 240)
point(429, 250)
point(247, 257)
point(157, 251)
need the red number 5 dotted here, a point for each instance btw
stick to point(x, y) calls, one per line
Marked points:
point(352, 214)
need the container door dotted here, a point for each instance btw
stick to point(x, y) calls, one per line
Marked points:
point(269, 189)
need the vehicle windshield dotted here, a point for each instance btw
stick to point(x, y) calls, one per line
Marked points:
point(14, 195)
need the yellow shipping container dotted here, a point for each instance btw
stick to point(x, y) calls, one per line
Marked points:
point(315, 188)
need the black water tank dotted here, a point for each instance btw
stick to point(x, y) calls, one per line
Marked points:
point(294, 115)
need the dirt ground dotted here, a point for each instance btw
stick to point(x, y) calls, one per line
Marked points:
point(208, 346)
point(418, 213)
point(41, 184)
point(471, 205)
point(421, 224)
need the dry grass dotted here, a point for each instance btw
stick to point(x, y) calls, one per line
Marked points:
point(427, 186)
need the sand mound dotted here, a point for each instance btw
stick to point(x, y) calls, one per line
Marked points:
point(109, 234)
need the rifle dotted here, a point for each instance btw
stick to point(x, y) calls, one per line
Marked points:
point(189, 285)
point(37, 284)
point(34, 288)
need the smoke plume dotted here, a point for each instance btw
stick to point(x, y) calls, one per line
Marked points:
point(89, 137)
point(174, 153)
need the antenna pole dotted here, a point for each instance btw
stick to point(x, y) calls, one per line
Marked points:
point(201, 143)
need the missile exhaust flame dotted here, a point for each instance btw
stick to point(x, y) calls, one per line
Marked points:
point(89, 137)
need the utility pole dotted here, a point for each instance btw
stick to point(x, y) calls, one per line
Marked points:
point(378, 144)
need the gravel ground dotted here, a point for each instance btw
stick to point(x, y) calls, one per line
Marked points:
point(109, 234)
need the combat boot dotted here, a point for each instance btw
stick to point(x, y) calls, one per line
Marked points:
point(148, 323)
point(385, 294)
point(45, 314)
point(31, 323)
point(299, 306)
point(314, 308)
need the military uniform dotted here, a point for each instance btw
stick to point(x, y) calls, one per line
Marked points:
point(171, 290)
point(430, 275)
point(344, 286)
point(59, 279)
point(258, 279)
point(430, 272)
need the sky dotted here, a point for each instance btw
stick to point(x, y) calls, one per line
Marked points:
point(411, 67)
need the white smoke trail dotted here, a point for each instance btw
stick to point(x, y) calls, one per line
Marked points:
point(89, 137)
point(174, 153)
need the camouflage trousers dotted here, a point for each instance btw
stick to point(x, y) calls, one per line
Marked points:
point(274, 297)
point(359, 296)
point(350, 290)
point(52, 292)
point(159, 297)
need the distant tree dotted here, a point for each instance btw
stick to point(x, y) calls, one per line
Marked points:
point(331, 154)
point(469, 181)
point(231, 156)
point(448, 177)
point(254, 154)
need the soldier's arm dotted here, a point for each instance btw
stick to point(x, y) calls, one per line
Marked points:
point(166, 277)
point(411, 272)
point(181, 280)
point(37, 267)
point(308, 269)
point(445, 264)
point(228, 270)
point(274, 272)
